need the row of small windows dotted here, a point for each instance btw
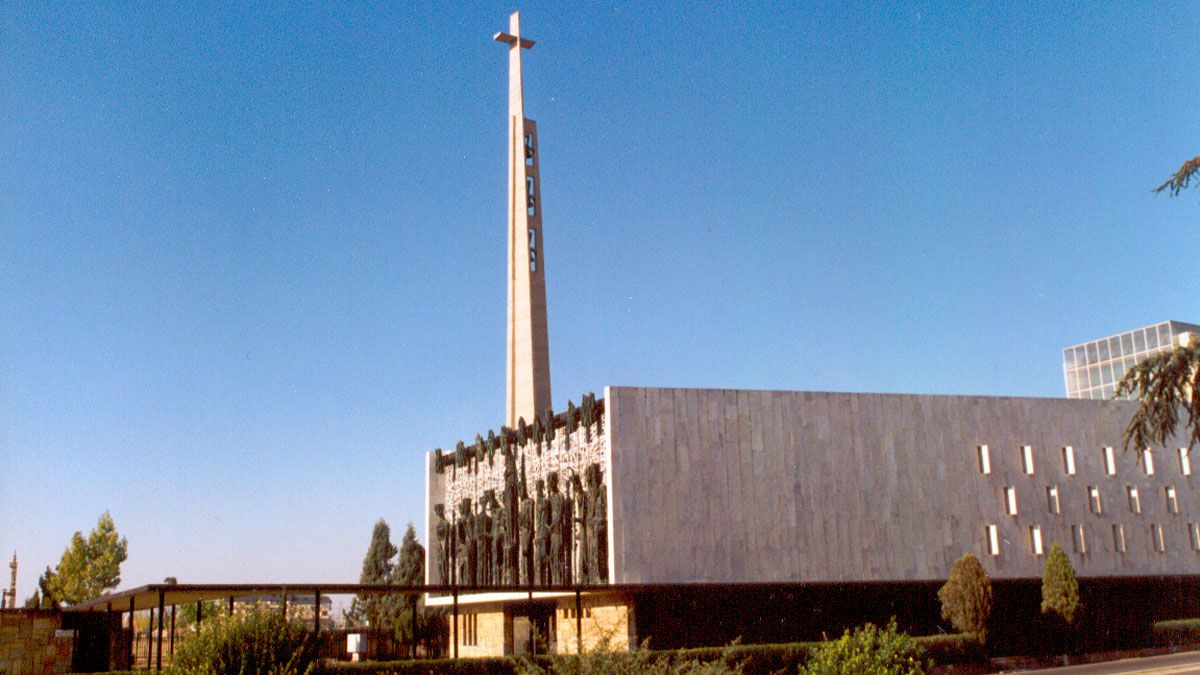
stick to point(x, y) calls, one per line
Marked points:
point(1079, 539)
point(1068, 460)
point(1053, 504)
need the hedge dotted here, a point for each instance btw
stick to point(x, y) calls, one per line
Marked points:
point(1177, 632)
point(956, 648)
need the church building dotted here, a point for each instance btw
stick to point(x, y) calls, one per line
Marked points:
point(696, 516)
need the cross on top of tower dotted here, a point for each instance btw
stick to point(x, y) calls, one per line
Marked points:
point(514, 38)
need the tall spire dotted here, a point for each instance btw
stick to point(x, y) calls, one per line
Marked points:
point(528, 367)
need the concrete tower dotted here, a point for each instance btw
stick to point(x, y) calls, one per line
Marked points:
point(528, 383)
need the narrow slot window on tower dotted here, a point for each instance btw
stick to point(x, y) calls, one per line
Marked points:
point(1068, 454)
point(1110, 462)
point(1052, 503)
point(1094, 499)
point(1194, 533)
point(532, 250)
point(1172, 500)
point(1148, 462)
point(1080, 540)
point(528, 149)
point(1119, 537)
point(985, 461)
point(530, 196)
point(1185, 463)
point(994, 540)
point(1027, 456)
point(1010, 500)
point(1035, 539)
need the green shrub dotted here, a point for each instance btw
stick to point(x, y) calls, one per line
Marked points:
point(1176, 632)
point(1060, 590)
point(869, 649)
point(966, 597)
point(258, 642)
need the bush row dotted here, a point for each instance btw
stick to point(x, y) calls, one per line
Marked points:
point(1177, 632)
point(957, 648)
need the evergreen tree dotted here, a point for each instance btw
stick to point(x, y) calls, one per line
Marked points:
point(89, 567)
point(410, 571)
point(372, 610)
point(1060, 590)
point(967, 597)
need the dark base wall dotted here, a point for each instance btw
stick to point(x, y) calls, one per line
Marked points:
point(1116, 612)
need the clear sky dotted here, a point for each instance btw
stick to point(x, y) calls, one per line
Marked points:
point(252, 259)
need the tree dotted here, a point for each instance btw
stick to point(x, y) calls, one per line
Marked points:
point(1162, 385)
point(410, 571)
point(211, 609)
point(89, 566)
point(966, 597)
point(1181, 178)
point(373, 610)
point(1060, 590)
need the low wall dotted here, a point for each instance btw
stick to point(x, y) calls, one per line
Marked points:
point(30, 643)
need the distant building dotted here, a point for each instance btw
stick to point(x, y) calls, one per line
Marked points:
point(299, 607)
point(1093, 369)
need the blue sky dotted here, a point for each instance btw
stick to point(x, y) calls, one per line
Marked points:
point(252, 259)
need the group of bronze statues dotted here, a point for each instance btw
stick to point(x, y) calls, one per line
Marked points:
point(556, 537)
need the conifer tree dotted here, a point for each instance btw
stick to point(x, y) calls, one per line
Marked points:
point(966, 597)
point(1060, 589)
point(410, 571)
point(371, 610)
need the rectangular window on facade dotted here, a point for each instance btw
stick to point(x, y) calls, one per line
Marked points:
point(1110, 461)
point(1010, 500)
point(993, 539)
point(1119, 537)
point(1027, 457)
point(985, 461)
point(1035, 539)
point(1068, 454)
point(1185, 463)
point(1156, 535)
point(1094, 499)
point(1172, 500)
point(1135, 502)
point(1194, 531)
point(1148, 462)
point(1052, 503)
point(1080, 541)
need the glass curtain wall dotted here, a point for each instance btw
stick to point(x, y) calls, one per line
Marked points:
point(1093, 369)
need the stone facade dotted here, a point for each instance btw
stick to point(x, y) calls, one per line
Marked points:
point(777, 486)
point(31, 645)
point(605, 624)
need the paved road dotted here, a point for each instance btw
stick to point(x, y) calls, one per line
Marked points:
point(1183, 662)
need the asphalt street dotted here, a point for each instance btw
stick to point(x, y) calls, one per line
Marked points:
point(1183, 662)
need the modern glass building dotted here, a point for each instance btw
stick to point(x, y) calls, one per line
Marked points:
point(1093, 369)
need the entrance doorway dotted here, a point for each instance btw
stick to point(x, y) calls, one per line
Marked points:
point(533, 629)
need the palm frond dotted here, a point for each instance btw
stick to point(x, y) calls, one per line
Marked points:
point(1181, 178)
point(1163, 385)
